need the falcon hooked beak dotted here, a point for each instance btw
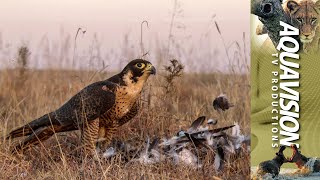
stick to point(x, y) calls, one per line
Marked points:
point(151, 69)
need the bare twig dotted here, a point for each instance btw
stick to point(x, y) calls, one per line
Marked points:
point(141, 37)
point(83, 31)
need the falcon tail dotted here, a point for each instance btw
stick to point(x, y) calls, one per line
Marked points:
point(31, 127)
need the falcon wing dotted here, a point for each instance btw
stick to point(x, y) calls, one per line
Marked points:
point(90, 103)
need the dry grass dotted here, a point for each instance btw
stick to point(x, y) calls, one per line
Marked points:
point(170, 100)
point(163, 114)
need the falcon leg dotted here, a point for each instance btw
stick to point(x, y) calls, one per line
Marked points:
point(106, 131)
point(89, 133)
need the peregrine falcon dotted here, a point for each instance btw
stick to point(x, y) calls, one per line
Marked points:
point(97, 110)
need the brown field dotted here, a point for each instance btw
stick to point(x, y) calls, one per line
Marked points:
point(169, 102)
point(28, 94)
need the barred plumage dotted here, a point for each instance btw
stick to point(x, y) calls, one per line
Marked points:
point(97, 110)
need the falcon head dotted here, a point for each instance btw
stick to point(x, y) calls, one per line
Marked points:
point(137, 70)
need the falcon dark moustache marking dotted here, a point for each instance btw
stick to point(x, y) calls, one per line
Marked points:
point(286, 95)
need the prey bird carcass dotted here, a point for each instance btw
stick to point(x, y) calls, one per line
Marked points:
point(190, 146)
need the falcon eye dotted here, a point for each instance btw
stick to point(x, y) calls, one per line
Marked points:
point(140, 65)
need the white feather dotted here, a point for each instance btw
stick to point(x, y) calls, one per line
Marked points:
point(109, 152)
point(217, 162)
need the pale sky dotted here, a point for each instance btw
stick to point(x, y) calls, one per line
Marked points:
point(29, 20)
